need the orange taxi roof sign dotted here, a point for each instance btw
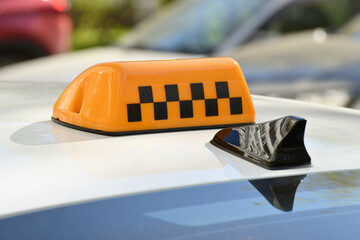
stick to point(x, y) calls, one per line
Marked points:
point(149, 96)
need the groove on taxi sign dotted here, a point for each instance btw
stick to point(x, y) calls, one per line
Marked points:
point(122, 98)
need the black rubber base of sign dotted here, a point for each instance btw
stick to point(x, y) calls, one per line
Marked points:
point(145, 131)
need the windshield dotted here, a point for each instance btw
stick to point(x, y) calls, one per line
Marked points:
point(195, 26)
point(317, 206)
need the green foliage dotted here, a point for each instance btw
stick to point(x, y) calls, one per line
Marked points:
point(100, 22)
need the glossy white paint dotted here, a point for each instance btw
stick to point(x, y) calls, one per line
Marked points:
point(48, 69)
point(44, 165)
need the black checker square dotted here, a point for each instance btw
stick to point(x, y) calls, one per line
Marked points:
point(211, 107)
point(145, 94)
point(197, 91)
point(172, 93)
point(222, 89)
point(186, 109)
point(236, 106)
point(134, 112)
point(160, 111)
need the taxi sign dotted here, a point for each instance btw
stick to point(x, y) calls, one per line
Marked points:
point(150, 96)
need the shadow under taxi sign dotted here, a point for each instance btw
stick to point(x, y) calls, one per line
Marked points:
point(152, 96)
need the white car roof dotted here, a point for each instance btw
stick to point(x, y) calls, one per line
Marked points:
point(43, 164)
point(66, 66)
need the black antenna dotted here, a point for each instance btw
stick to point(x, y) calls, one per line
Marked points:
point(275, 144)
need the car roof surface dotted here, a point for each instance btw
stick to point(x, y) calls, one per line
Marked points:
point(44, 165)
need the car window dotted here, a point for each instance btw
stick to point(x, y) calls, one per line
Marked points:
point(317, 206)
point(328, 14)
point(197, 26)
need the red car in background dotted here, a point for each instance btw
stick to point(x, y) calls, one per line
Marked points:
point(33, 28)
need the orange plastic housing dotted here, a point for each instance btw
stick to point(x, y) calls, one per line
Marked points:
point(150, 96)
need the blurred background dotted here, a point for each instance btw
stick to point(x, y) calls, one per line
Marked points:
point(303, 49)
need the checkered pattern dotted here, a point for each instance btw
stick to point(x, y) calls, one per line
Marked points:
point(186, 107)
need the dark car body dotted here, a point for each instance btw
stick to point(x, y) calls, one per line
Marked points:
point(35, 28)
